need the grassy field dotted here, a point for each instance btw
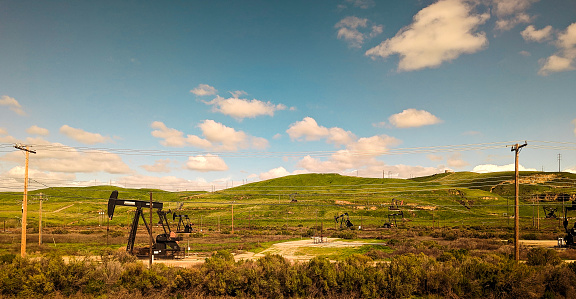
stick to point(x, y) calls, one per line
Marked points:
point(300, 205)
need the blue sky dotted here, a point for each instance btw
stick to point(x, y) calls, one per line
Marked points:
point(194, 94)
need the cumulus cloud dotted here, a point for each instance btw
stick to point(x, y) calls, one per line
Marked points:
point(243, 108)
point(497, 168)
point(205, 163)
point(217, 137)
point(83, 136)
point(13, 179)
point(5, 138)
point(158, 166)
point(564, 59)
point(531, 34)
point(309, 130)
point(411, 118)
point(455, 161)
point(440, 32)
point(170, 137)
point(274, 173)
point(361, 153)
point(204, 90)
point(168, 183)
point(36, 130)
point(355, 30)
point(510, 13)
point(12, 104)
point(67, 159)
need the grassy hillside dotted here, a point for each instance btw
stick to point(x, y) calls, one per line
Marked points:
point(309, 200)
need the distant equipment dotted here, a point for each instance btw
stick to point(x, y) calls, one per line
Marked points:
point(550, 212)
point(570, 238)
point(166, 244)
point(184, 225)
point(394, 207)
point(344, 220)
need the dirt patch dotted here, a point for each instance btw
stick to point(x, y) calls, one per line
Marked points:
point(288, 250)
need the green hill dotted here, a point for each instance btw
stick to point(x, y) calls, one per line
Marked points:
point(462, 198)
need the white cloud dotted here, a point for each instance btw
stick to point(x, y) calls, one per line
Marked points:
point(171, 137)
point(511, 13)
point(364, 4)
point(309, 129)
point(158, 166)
point(525, 53)
point(274, 173)
point(243, 108)
point(62, 158)
point(455, 161)
point(13, 179)
point(217, 137)
point(12, 104)
point(83, 136)
point(434, 157)
point(361, 153)
point(497, 168)
point(168, 183)
point(349, 29)
point(440, 32)
point(555, 64)
point(36, 130)
point(531, 34)
point(228, 138)
point(205, 163)
point(411, 118)
point(204, 90)
point(5, 138)
point(564, 59)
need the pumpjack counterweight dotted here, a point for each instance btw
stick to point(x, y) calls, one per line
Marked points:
point(166, 244)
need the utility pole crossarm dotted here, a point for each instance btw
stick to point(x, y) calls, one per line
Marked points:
point(23, 148)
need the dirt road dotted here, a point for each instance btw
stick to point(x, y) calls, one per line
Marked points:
point(289, 250)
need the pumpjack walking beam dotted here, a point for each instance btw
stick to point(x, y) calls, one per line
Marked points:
point(138, 204)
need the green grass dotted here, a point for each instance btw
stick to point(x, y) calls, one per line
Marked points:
point(448, 199)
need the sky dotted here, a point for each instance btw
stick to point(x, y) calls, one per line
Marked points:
point(205, 95)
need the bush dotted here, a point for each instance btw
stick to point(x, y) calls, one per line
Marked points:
point(344, 234)
point(60, 231)
point(7, 258)
point(542, 257)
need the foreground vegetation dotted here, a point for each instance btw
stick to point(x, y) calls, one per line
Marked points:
point(453, 240)
point(458, 274)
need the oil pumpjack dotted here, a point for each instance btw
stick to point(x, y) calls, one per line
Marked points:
point(165, 245)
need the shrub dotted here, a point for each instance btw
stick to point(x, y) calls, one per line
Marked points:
point(7, 258)
point(60, 231)
point(115, 233)
point(542, 257)
point(344, 234)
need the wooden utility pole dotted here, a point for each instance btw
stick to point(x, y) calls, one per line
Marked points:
point(151, 239)
point(25, 199)
point(516, 148)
